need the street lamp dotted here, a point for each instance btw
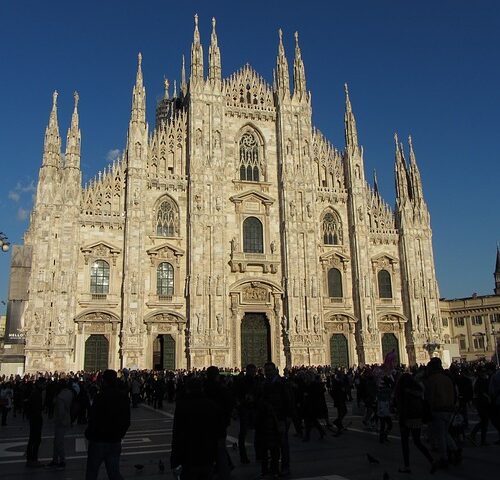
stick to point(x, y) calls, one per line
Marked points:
point(4, 243)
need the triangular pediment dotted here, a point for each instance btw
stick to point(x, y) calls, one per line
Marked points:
point(250, 195)
point(164, 248)
point(247, 75)
point(384, 257)
point(332, 255)
point(101, 246)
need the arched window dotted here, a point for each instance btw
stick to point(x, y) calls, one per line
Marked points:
point(167, 219)
point(332, 230)
point(165, 279)
point(335, 283)
point(99, 277)
point(252, 236)
point(250, 164)
point(384, 284)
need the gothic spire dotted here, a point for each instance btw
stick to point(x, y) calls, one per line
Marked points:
point(282, 75)
point(299, 74)
point(401, 173)
point(183, 77)
point(52, 143)
point(73, 139)
point(414, 173)
point(375, 182)
point(351, 132)
point(497, 272)
point(166, 85)
point(139, 95)
point(196, 56)
point(214, 64)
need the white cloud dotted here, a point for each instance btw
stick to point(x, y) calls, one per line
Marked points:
point(113, 155)
point(19, 189)
point(14, 196)
point(22, 214)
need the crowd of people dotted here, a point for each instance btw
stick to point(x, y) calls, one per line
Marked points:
point(266, 405)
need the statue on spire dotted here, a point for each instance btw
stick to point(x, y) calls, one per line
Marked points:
point(299, 75)
point(282, 75)
point(214, 63)
point(351, 132)
point(196, 56)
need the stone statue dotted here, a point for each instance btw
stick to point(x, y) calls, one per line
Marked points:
point(284, 323)
point(273, 246)
point(316, 323)
point(198, 322)
point(297, 324)
point(434, 323)
point(369, 324)
point(220, 323)
point(292, 208)
point(234, 245)
point(61, 326)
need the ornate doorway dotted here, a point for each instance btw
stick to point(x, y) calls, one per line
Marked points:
point(164, 353)
point(96, 353)
point(339, 350)
point(255, 340)
point(389, 343)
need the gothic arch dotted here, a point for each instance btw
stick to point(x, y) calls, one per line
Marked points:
point(250, 150)
point(331, 227)
point(166, 222)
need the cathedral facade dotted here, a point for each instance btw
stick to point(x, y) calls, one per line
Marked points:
point(233, 232)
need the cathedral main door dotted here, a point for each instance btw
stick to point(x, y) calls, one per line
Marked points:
point(390, 342)
point(96, 353)
point(339, 350)
point(164, 353)
point(255, 340)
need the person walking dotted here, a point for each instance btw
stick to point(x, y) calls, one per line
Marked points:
point(109, 420)
point(62, 421)
point(409, 397)
point(441, 395)
point(6, 396)
point(482, 404)
point(195, 433)
point(33, 409)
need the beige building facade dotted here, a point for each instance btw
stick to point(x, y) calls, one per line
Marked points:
point(473, 323)
point(231, 232)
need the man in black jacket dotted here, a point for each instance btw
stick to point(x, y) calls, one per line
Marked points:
point(109, 421)
point(34, 407)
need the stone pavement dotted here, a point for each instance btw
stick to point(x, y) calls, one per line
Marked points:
point(148, 442)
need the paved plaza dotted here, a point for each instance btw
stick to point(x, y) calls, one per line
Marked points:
point(148, 441)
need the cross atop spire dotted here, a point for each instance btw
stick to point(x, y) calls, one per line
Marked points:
point(299, 75)
point(282, 75)
point(196, 56)
point(214, 63)
point(52, 142)
point(73, 139)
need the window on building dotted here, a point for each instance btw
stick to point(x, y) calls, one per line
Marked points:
point(167, 219)
point(250, 166)
point(335, 283)
point(495, 318)
point(478, 342)
point(99, 277)
point(459, 321)
point(332, 230)
point(445, 322)
point(384, 284)
point(253, 241)
point(463, 344)
point(165, 279)
point(477, 320)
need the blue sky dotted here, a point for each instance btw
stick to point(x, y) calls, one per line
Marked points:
point(428, 68)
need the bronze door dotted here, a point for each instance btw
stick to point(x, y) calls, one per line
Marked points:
point(168, 352)
point(164, 353)
point(339, 350)
point(390, 342)
point(255, 340)
point(96, 353)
